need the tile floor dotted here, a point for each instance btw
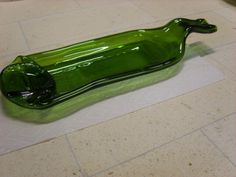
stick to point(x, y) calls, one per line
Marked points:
point(187, 136)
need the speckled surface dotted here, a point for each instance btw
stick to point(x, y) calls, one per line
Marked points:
point(190, 135)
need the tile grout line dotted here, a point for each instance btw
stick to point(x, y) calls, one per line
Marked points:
point(157, 147)
point(219, 149)
point(84, 174)
point(24, 36)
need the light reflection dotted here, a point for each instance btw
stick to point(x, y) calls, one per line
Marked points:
point(181, 47)
point(26, 93)
point(30, 74)
point(76, 65)
point(166, 29)
point(68, 47)
point(120, 46)
point(136, 48)
point(80, 54)
point(141, 30)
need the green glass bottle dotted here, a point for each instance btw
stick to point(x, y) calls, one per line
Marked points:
point(44, 79)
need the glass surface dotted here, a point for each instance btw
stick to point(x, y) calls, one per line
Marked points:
point(44, 79)
point(78, 102)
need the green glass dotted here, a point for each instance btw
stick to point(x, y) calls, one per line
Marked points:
point(45, 79)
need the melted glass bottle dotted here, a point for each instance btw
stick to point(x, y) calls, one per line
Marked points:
point(44, 79)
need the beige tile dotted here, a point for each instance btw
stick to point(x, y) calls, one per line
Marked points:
point(6, 60)
point(11, 39)
point(226, 31)
point(83, 23)
point(96, 3)
point(173, 9)
point(222, 133)
point(212, 56)
point(22, 10)
point(192, 155)
point(52, 158)
point(228, 13)
point(226, 56)
point(215, 101)
point(223, 58)
point(112, 142)
point(228, 74)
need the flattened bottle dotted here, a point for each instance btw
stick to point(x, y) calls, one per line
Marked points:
point(47, 78)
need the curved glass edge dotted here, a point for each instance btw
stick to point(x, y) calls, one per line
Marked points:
point(88, 98)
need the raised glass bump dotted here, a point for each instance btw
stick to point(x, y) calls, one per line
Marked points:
point(44, 79)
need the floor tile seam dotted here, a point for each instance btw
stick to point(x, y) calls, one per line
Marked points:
point(217, 147)
point(84, 174)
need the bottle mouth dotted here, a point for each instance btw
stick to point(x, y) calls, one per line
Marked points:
point(199, 25)
point(27, 84)
point(203, 26)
